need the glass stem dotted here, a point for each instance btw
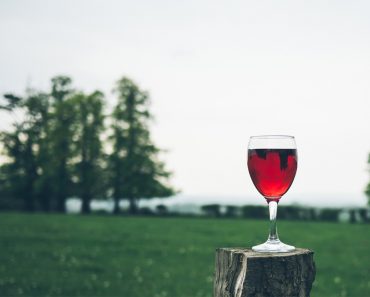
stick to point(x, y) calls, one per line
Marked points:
point(273, 235)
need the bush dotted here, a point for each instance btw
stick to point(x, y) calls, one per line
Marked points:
point(231, 211)
point(363, 213)
point(329, 214)
point(292, 212)
point(255, 212)
point(289, 212)
point(212, 210)
point(162, 210)
point(146, 211)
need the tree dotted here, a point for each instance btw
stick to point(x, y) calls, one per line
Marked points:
point(24, 146)
point(36, 108)
point(39, 145)
point(136, 171)
point(62, 131)
point(39, 105)
point(14, 168)
point(8, 200)
point(89, 127)
point(54, 149)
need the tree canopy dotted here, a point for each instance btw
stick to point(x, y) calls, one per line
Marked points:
point(136, 171)
point(59, 146)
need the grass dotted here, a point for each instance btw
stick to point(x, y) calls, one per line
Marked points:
point(60, 255)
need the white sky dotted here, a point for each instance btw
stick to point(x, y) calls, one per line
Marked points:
point(217, 72)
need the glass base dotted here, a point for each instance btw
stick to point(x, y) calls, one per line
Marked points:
point(273, 246)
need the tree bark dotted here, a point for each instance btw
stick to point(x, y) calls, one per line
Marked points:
point(245, 273)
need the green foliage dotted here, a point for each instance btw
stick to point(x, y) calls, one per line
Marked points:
point(329, 214)
point(62, 132)
point(39, 105)
point(89, 126)
point(137, 173)
point(212, 210)
point(38, 146)
point(232, 211)
point(109, 256)
point(12, 102)
point(255, 212)
point(162, 210)
point(55, 149)
point(24, 147)
point(8, 199)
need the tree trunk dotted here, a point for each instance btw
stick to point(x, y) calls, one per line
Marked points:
point(61, 201)
point(85, 209)
point(133, 209)
point(30, 177)
point(61, 195)
point(29, 202)
point(29, 193)
point(245, 273)
point(116, 209)
point(45, 201)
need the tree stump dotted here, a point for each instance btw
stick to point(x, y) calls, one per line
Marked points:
point(245, 273)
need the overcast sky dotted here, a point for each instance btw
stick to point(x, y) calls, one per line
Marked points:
point(217, 73)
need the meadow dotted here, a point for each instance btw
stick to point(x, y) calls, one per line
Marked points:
point(73, 255)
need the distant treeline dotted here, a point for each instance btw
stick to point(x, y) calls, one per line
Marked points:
point(66, 143)
point(290, 212)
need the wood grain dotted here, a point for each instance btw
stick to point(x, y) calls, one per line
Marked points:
point(243, 272)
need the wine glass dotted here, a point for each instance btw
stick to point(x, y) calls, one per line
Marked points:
point(272, 165)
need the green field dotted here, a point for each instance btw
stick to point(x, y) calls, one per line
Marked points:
point(65, 255)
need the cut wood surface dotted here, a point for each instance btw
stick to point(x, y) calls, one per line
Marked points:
point(243, 272)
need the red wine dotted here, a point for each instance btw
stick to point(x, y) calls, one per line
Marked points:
point(272, 171)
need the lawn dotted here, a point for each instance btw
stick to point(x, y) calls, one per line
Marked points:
point(67, 255)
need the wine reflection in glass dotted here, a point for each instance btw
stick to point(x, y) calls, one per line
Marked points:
point(272, 165)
